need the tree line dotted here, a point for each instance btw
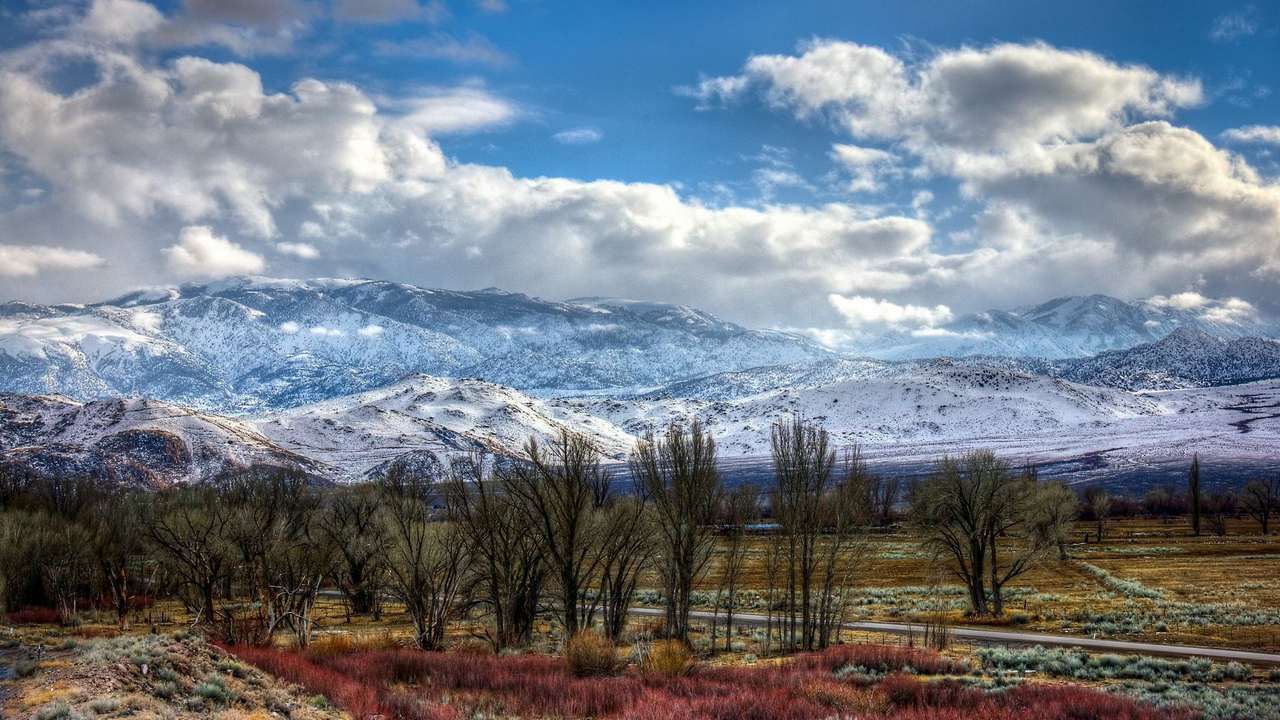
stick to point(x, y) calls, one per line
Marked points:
point(550, 534)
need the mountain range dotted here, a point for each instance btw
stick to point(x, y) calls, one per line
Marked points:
point(344, 379)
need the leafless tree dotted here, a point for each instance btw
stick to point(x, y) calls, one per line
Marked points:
point(118, 549)
point(1261, 499)
point(628, 543)
point(984, 522)
point(506, 557)
point(1097, 502)
point(1193, 494)
point(803, 463)
point(349, 520)
point(679, 474)
point(425, 556)
point(561, 489)
point(1219, 506)
point(740, 508)
point(188, 527)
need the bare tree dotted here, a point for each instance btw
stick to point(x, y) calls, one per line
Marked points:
point(1035, 518)
point(882, 498)
point(679, 474)
point(561, 490)
point(949, 509)
point(118, 549)
point(425, 556)
point(628, 542)
point(1261, 499)
point(1193, 493)
point(1097, 502)
point(1219, 506)
point(188, 527)
point(506, 556)
point(740, 508)
point(350, 522)
point(844, 514)
point(803, 463)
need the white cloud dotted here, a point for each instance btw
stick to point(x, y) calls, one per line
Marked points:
point(31, 260)
point(1263, 134)
point(306, 251)
point(959, 108)
point(1232, 311)
point(866, 166)
point(455, 110)
point(578, 136)
point(371, 331)
point(1189, 300)
point(1235, 25)
point(290, 327)
point(492, 7)
point(472, 50)
point(860, 311)
point(322, 331)
point(200, 253)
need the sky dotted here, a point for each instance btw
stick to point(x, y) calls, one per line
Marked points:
point(829, 168)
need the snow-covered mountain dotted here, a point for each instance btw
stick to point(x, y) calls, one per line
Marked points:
point(252, 344)
point(871, 402)
point(1066, 327)
point(137, 442)
point(421, 421)
point(1187, 357)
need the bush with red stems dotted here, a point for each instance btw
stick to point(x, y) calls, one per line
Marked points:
point(400, 684)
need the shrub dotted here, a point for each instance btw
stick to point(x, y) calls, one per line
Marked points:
point(590, 654)
point(213, 690)
point(34, 616)
point(56, 711)
point(102, 706)
point(666, 659)
point(25, 667)
point(165, 690)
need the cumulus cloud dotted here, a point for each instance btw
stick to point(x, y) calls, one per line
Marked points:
point(1082, 182)
point(290, 327)
point(578, 136)
point(959, 109)
point(860, 311)
point(371, 331)
point(866, 166)
point(1231, 311)
point(200, 253)
point(1093, 194)
point(1262, 134)
point(31, 260)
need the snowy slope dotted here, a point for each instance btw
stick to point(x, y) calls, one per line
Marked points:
point(872, 403)
point(428, 419)
point(253, 344)
point(1066, 327)
point(138, 442)
point(1185, 358)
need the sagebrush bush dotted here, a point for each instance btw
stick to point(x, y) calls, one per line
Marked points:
point(666, 659)
point(590, 654)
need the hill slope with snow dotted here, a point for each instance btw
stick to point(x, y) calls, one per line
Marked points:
point(1066, 327)
point(253, 344)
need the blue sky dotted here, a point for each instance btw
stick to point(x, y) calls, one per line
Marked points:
point(575, 148)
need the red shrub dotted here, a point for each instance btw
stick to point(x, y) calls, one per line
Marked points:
point(34, 616)
point(411, 685)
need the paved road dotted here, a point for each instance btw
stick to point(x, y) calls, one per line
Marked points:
point(1006, 637)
